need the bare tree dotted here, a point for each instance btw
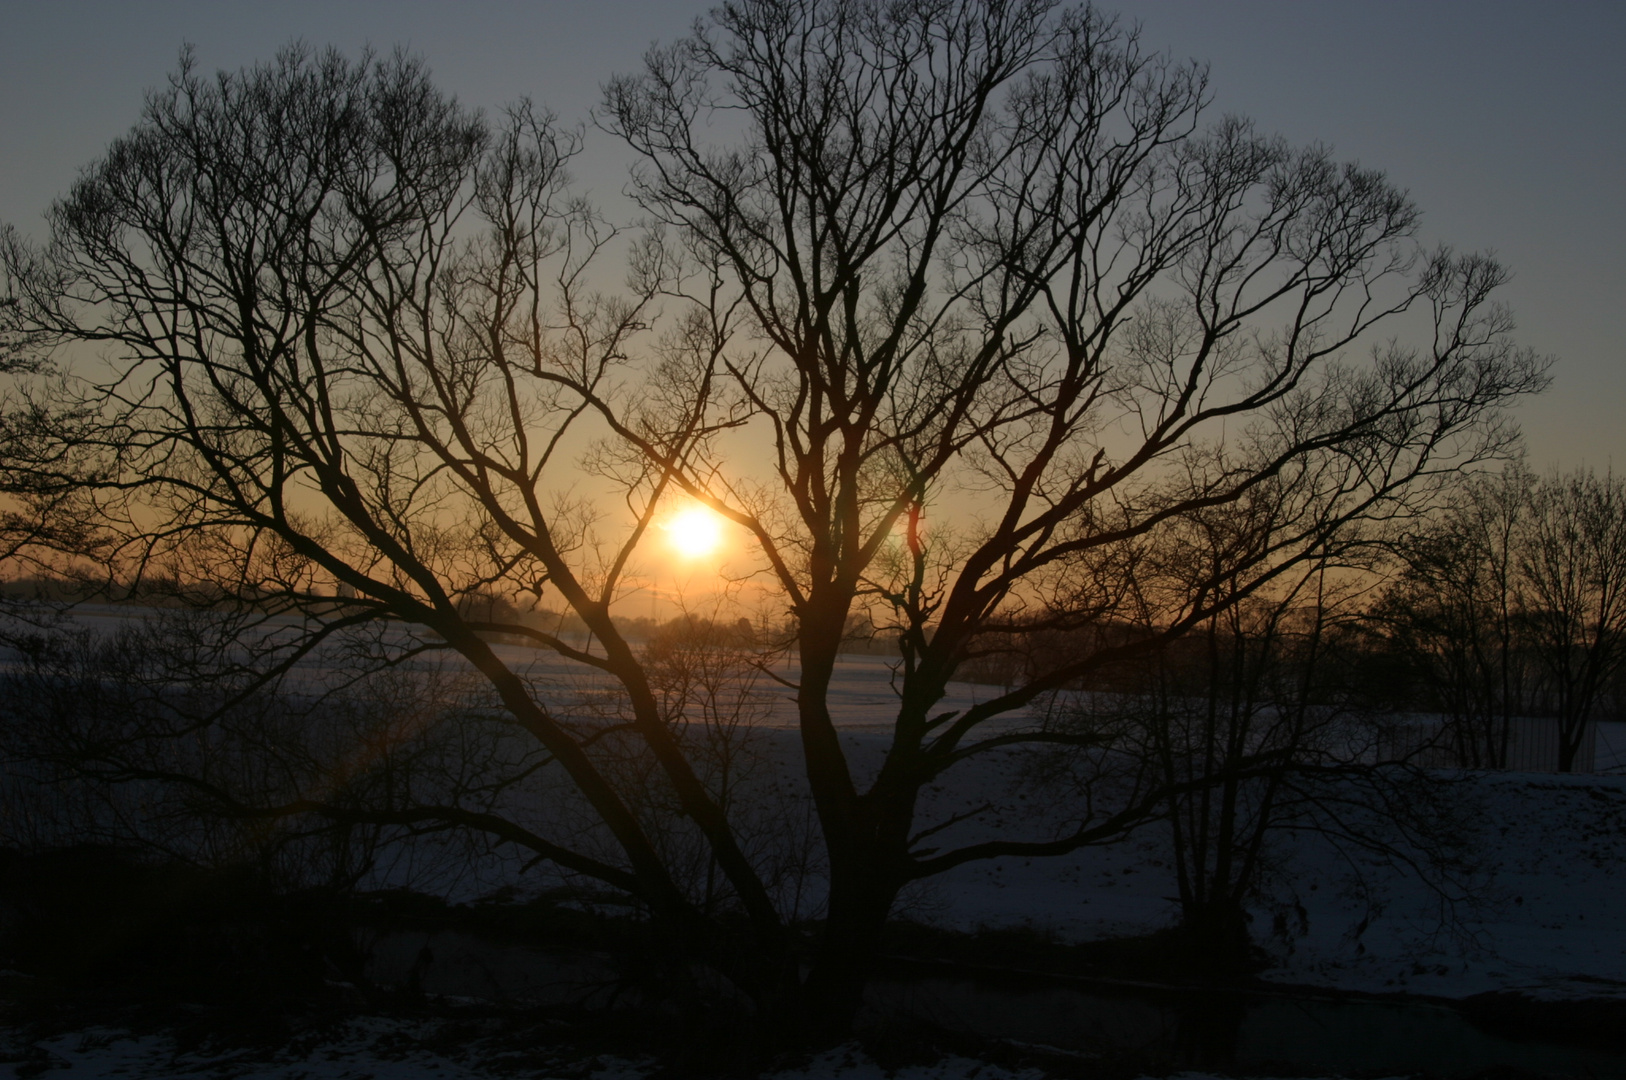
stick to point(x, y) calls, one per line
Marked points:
point(989, 257)
point(1512, 606)
point(1258, 725)
point(32, 515)
point(1244, 704)
point(1573, 562)
point(1456, 613)
point(974, 260)
point(20, 349)
point(348, 333)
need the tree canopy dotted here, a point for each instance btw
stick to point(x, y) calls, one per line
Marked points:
point(1004, 309)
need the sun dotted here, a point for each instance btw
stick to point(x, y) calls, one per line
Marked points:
point(694, 532)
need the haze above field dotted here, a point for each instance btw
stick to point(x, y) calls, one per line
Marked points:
point(1503, 120)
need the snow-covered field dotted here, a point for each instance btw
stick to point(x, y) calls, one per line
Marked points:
point(392, 1049)
point(1545, 918)
point(374, 1048)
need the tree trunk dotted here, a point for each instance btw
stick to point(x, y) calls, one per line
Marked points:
point(1214, 938)
point(849, 943)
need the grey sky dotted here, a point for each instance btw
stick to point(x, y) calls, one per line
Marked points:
point(1507, 121)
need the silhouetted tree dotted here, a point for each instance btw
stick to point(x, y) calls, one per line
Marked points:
point(1573, 563)
point(1253, 727)
point(944, 255)
point(1512, 605)
point(949, 248)
point(1238, 721)
point(1457, 616)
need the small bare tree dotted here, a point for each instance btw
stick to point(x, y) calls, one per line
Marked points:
point(1456, 614)
point(1251, 727)
point(1240, 717)
point(1573, 563)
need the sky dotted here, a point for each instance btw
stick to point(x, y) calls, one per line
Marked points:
point(1505, 120)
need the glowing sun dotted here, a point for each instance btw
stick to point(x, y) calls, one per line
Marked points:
point(694, 532)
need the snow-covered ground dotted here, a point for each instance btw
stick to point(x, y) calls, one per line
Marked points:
point(1545, 917)
point(374, 1048)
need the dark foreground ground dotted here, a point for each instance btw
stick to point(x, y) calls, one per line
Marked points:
point(163, 976)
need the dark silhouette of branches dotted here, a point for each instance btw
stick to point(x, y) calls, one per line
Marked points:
point(997, 308)
point(1511, 607)
point(993, 263)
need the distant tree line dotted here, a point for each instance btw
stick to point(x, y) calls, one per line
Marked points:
point(1508, 603)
